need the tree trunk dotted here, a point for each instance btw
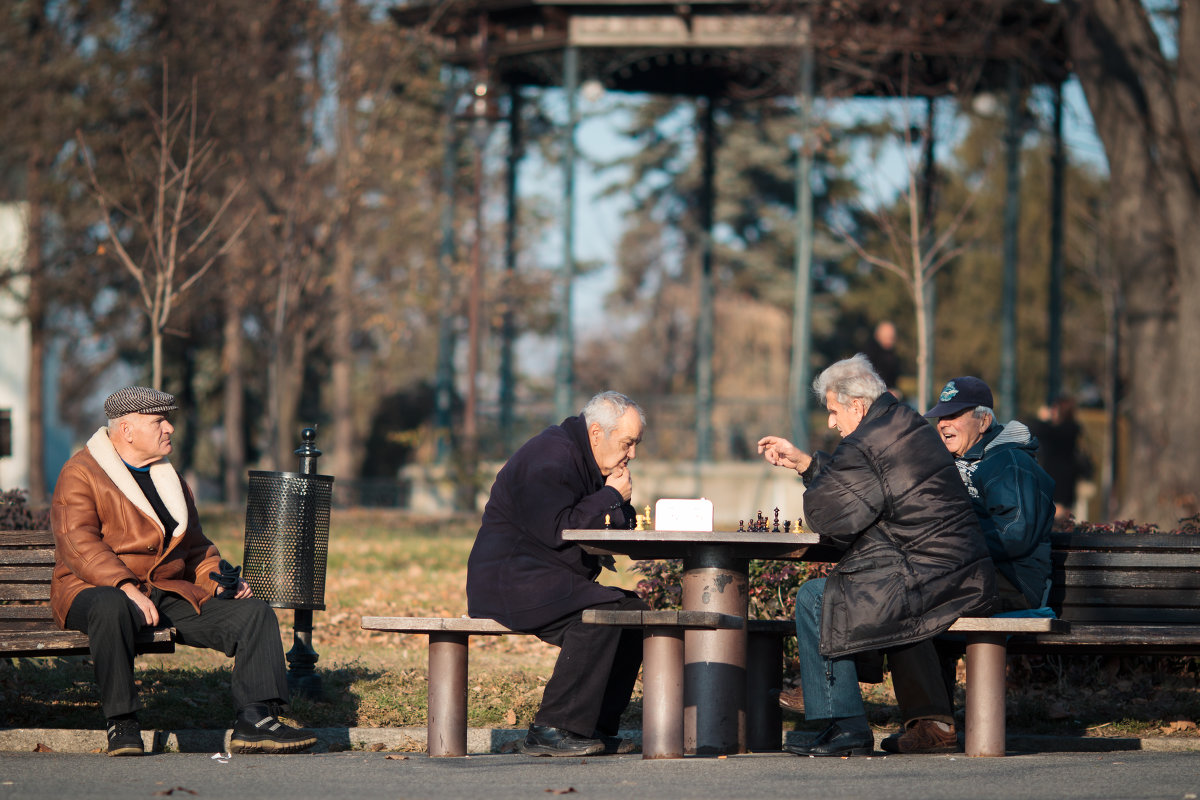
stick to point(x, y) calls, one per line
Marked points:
point(35, 312)
point(1141, 112)
point(234, 398)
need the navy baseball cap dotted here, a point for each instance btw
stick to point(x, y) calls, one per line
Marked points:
point(961, 393)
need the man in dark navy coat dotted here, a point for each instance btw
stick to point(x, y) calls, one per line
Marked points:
point(522, 574)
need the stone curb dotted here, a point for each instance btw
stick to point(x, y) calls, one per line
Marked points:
point(481, 741)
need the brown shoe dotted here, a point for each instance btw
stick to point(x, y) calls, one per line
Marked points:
point(792, 700)
point(922, 736)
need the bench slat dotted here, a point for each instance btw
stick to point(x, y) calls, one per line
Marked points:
point(25, 591)
point(26, 573)
point(33, 557)
point(660, 619)
point(467, 625)
point(1010, 625)
point(22, 643)
point(42, 538)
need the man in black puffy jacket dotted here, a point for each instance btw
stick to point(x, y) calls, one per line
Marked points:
point(912, 561)
point(522, 574)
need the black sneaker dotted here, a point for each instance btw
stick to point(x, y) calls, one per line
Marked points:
point(125, 738)
point(543, 740)
point(269, 735)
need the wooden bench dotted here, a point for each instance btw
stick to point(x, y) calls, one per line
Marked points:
point(987, 645)
point(26, 623)
point(662, 668)
point(1124, 594)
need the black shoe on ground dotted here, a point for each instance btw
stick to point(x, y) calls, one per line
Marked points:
point(269, 735)
point(836, 741)
point(125, 738)
point(542, 740)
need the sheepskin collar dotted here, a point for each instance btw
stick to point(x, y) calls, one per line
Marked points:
point(162, 474)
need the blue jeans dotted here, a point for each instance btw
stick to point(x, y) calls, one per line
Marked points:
point(830, 685)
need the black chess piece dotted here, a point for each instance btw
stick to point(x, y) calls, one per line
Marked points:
point(775, 527)
point(741, 526)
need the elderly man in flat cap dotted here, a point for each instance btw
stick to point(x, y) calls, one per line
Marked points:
point(129, 552)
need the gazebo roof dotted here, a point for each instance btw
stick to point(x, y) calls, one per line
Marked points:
point(744, 49)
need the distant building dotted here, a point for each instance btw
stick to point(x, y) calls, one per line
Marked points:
point(14, 367)
point(14, 355)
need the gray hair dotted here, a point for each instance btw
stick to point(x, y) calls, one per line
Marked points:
point(849, 378)
point(979, 412)
point(607, 408)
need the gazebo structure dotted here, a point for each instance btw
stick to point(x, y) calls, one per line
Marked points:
point(739, 50)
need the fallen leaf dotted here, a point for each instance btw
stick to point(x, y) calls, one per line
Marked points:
point(568, 790)
point(43, 748)
point(173, 790)
point(395, 758)
point(376, 747)
point(1178, 725)
point(510, 717)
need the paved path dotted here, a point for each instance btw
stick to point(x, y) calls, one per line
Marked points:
point(361, 776)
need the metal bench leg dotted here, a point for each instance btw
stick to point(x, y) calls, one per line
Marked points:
point(662, 684)
point(764, 676)
point(447, 694)
point(986, 658)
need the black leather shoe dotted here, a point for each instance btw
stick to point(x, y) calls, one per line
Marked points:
point(834, 741)
point(542, 740)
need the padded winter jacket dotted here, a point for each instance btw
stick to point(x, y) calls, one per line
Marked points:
point(1014, 500)
point(912, 553)
point(106, 532)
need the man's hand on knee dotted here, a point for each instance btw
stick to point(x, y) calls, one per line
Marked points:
point(148, 609)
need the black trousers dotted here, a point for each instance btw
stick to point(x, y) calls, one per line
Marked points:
point(917, 679)
point(246, 629)
point(594, 674)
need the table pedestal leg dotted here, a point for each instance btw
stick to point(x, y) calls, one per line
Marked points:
point(714, 675)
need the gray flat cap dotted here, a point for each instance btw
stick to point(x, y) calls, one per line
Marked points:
point(138, 400)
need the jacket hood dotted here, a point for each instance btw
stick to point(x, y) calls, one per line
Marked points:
point(1010, 435)
point(165, 479)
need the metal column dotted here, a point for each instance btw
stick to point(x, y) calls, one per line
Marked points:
point(802, 295)
point(564, 392)
point(704, 325)
point(1007, 407)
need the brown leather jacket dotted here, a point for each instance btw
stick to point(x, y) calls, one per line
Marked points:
point(106, 532)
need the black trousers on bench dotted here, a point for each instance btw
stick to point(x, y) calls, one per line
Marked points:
point(594, 674)
point(246, 629)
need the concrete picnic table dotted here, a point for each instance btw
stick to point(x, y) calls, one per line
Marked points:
point(715, 578)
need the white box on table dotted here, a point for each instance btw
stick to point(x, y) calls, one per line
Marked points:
point(683, 515)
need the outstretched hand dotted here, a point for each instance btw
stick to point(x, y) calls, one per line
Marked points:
point(779, 452)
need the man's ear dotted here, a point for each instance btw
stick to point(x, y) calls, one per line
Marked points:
point(595, 433)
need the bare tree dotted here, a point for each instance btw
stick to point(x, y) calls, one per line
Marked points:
point(175, 223)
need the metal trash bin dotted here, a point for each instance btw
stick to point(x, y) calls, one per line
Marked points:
point(286, 550)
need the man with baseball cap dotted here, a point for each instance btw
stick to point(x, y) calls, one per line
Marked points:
point(1012, 496)
point(129, 552)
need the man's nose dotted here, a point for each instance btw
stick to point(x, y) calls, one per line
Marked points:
point(632, 452)
point(832, 421)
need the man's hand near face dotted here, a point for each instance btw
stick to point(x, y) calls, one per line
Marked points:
point(622, 481)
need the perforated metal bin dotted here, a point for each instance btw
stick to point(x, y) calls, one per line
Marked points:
point(287, 538)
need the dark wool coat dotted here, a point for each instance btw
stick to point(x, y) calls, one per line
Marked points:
point(913, 556)
point(520, 572)
point(106, 532)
